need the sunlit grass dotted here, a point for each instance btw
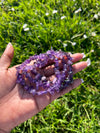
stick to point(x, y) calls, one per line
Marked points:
point(70, 25)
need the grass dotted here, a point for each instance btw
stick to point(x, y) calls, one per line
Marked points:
point(79, 110)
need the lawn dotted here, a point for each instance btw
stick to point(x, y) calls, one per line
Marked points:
point(33, 26)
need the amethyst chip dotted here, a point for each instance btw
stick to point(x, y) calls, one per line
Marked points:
point(30, 77)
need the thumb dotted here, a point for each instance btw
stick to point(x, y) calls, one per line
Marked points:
point(7, 56)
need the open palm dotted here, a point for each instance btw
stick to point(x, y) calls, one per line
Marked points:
point(16, 105)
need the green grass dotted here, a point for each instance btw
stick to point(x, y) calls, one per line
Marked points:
point(79, 110)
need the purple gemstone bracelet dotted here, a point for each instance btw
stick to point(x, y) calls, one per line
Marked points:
point(33, 81)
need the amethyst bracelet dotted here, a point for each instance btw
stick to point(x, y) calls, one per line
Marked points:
point(29, 76)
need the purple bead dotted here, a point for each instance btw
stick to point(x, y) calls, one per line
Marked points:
point(41, 92)
point(26, 87)
point(38, 76)
point(33, 91)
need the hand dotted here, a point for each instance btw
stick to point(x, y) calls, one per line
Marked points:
point(16, 105)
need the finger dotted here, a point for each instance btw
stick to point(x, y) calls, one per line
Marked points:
point(75, 84)
point(49, 70)
point(79, 66)
point(76, 57)
point(7, 56)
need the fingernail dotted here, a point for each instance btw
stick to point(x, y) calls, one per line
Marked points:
point(8, 45)
point(83, 55)
point(82, 80)
point(88, 62)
